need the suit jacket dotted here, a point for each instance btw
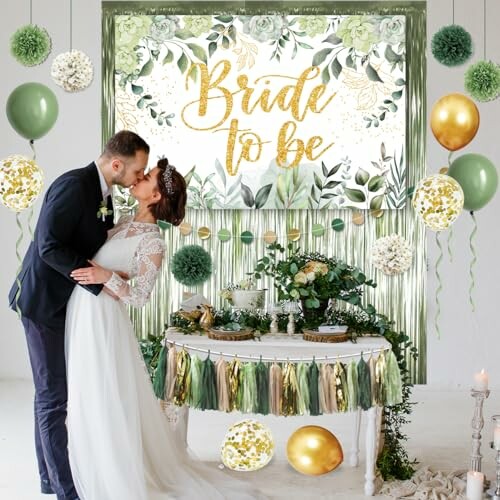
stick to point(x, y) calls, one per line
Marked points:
point(68, 232)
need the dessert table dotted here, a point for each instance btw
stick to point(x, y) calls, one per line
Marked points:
point(282, 347)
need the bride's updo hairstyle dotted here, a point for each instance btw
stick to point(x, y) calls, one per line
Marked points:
point(172, 187)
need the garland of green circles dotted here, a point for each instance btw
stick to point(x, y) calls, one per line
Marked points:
point(393, 461)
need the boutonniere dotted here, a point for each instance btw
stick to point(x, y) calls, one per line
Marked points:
point(103, 211)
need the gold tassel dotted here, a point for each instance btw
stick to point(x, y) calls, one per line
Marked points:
point(290, 390)
point(222, 385)
point(171, 373)
point(341, 386)
point(332, 387)
point(380, 367)
point(233, 370)
point(373, 378)
point(183, 378)
point(275, 389)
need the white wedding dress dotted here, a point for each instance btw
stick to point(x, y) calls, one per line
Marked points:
point(120, 444)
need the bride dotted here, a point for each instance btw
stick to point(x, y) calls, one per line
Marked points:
point(120, 443)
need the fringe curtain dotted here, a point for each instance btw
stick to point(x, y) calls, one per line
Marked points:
point(401, 298)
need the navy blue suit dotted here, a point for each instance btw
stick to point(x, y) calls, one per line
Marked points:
point(68, 233)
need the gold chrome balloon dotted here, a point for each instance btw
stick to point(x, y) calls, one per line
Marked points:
point(248, 445)
point(21, 182)
point(454, 121)
point(314, 450)
point(438, 200)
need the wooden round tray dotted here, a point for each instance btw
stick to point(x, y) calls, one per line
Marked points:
point(312, 336)
point(230, 335)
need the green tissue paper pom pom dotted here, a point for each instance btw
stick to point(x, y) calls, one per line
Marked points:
point(452, 45)
point(191, 265)
point(482, 81)
point(30, 45)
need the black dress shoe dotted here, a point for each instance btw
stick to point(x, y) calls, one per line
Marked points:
point(45, 488)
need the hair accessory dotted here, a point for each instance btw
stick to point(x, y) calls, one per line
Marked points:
point(167, 177)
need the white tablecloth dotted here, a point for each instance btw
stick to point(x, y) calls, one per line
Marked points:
point(280, 345)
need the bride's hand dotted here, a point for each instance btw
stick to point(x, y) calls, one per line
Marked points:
point(106, 290)
point(91, 275)
point(123, 275)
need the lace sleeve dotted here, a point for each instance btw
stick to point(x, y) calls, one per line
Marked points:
point(149, 257)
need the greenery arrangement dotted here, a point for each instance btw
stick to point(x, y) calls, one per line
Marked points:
point(482, 81)
point(191, 265)
point(452, 45)
point(30, 45)
point(312, 278)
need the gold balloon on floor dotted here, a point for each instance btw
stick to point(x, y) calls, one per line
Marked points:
point(438, 200)
point(454, 121)
point(21, 182)
point(247, 446)
point(314, 450)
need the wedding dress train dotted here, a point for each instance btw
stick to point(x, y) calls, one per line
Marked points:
point(120, 444)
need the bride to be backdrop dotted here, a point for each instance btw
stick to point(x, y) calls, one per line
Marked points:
point(282, 116)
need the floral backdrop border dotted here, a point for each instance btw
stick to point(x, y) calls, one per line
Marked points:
point(403, 297)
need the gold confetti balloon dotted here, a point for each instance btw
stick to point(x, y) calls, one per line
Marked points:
point(21, 182)
point(314, 450)
point(438, 200)
point(247, 446)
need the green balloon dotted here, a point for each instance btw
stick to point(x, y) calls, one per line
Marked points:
point(32, 110)
point(478, 177)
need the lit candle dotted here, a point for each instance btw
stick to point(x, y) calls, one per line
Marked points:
point(475, 485)
point(496, 437)
point(481, 381)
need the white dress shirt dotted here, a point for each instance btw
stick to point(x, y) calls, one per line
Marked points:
point(106, 190)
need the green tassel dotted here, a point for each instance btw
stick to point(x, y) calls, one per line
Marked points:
point(352, 385)
point(392, 381)
point(248, 389)
point(209, 385)
point(197, 388)
point(364, 385)
point(303, 394)
point(160, 374)
point(262, 381)
point(312, 379)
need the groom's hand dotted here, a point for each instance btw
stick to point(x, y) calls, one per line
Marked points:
point(91, 275)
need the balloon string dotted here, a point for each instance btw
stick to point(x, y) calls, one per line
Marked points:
point(484, 30)
point(31, 11)
point(18, 254)
point(473, 261)
point(453, 9)
point(440, 286)
point(32, 146)
point(30, 228)
point(70, 25)
point(449, 157)
point(448, 243)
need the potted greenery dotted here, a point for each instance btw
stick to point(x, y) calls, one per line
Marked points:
point(244, 294)
point(311, 278)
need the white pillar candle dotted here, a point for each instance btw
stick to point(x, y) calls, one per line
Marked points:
point(496, 437)
point(481, 381)
point(475, 485)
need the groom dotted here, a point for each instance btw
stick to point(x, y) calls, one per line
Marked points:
point(68, 233)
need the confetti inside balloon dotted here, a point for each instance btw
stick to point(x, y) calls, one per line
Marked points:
point(438, 200)
point(21, 182)
point(248, 446)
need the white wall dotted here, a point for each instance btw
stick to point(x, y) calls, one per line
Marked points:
point(469, 342)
